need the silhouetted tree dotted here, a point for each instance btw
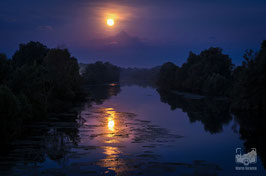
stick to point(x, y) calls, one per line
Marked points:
point(31, 82)
point(37, 81)
point(30, 53)
point(101, 73)
point(208, 73)
point(5, 69)
point(167, 75)
point(63, 77)
point(249, 92)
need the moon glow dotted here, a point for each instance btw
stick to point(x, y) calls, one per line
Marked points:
point(110, 22)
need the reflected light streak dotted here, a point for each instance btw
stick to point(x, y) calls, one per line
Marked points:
point(111, 124)
point(111, 121)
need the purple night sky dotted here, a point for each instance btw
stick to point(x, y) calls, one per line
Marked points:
point(146, 32)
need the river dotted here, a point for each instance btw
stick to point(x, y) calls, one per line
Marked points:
point(134, 130)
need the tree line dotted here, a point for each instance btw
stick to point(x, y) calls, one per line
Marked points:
point(212, 73)
point(100, 73)
point(38, 80)
point(35, 81)
point(143, 77)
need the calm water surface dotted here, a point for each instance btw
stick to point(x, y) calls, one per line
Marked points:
point(132, 131)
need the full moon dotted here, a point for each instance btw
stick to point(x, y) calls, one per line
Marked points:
point(110, 22)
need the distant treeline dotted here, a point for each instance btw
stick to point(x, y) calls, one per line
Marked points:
point(106, 73)
point(139, 76)
point(212, 73)
point(35, 81)
point(100, 73)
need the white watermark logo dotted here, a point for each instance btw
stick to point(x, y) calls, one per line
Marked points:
point(246, 159)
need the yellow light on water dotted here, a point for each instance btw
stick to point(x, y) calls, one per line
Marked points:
point(111, 124)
